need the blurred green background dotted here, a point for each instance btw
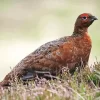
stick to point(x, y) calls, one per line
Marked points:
point(27, 24)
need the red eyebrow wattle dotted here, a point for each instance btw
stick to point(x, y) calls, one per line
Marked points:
point(85, 14)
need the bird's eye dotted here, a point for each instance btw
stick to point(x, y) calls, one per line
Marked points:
point(84, 17)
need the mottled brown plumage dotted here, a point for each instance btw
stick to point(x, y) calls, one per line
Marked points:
point(69, 51)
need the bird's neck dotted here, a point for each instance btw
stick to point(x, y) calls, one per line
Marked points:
point(80, 30)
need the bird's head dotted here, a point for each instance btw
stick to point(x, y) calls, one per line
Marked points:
point(84, 21)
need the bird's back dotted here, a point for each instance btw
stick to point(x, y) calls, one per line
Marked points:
point(42, 59)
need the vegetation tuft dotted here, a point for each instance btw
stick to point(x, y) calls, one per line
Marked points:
point(82, 85)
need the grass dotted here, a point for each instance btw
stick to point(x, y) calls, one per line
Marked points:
point(83, 85)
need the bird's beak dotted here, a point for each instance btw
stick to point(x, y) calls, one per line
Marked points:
point(94, 18)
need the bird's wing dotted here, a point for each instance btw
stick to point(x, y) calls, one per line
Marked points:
point(40, 59)
point(43, 53)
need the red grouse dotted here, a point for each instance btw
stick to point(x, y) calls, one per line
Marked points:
point(69, 51)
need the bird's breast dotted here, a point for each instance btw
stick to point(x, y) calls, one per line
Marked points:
point(74, 50)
